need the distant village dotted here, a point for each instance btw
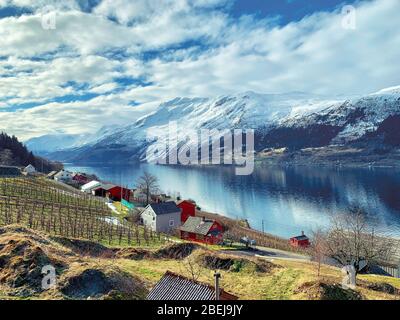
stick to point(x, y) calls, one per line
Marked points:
point(159, 212)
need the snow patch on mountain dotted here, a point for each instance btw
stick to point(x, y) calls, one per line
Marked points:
point(345, 119)
point(52, 142)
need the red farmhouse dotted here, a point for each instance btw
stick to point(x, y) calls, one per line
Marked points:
point(119, 193)
point(300, 241)
point(114, 192)
point(188, 209)
point(202, 230)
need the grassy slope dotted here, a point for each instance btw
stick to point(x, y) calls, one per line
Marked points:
point(280, 284)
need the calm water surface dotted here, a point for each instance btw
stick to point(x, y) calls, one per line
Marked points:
point(287, 200)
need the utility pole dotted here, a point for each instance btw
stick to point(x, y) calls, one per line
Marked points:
point(262, 223)
point(217, 276)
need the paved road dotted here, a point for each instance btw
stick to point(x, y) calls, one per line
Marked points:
point(274, 254)
point(269, 253)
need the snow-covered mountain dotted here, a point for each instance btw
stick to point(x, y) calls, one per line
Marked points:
point(354, 117)
point(295, 120)
point(52, 142)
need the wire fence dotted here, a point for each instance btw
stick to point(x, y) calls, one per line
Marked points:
point(37, 204)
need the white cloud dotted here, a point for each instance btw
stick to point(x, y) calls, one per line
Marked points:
point(39, 4)
point(104, 88)
point(77, 31)
point(74, 117)
point(30, 81)
point(314, 55)
point(225, 55)
point(151, 11)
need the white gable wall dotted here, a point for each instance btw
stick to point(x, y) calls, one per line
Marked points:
point(161, 223)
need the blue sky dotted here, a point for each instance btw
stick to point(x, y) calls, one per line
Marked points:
point(109, 62)
point(287, 10)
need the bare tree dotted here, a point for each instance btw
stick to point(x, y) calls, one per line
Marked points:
point(351, 241)
point(319, 248)
point(134, 216)
point(192, 267)
point(148, 183)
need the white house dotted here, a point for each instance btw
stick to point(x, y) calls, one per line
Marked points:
point(162, 217)
point(90, 186)
point(63, 176)
point(29, 169)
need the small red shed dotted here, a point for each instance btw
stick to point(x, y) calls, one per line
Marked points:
point(300, 241)
point(202, 230)
point(188, 209)
point(80, 178)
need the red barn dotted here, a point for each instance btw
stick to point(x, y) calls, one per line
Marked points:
point(113, 192)
point(188, 209)
point(300, 241)
point(118, 193)
point(202, 230)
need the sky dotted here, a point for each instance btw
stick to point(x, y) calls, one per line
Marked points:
point(74, 66)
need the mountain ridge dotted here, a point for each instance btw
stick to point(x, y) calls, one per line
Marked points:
point(293, 121)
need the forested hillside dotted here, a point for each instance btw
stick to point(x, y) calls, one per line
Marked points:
point(14, 153)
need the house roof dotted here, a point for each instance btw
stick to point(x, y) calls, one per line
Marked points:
point(300, 238)
point(105, 186)
point(9, 171)
point(62, 172)
point(52, 174)
point(176, 287)
point(165, 207)
point(77, 174)
point(91, 185)
point(197, 225)
point(187, 201)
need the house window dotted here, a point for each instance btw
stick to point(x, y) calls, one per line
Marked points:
point(171, 223)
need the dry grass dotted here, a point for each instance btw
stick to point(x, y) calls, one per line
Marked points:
point(24, 252)
point(278, 284)
point(131, 278)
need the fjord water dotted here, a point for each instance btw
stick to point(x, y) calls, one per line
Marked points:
point(285, 200)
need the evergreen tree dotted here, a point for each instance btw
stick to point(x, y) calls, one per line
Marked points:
point(14, 153)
